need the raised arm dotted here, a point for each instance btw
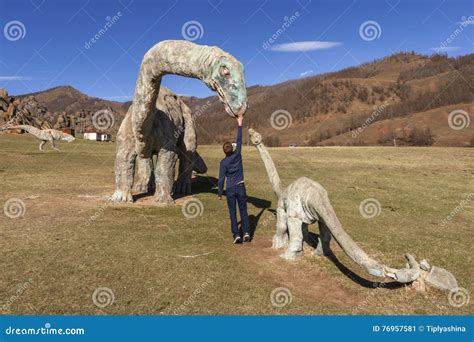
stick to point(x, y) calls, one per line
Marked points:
point(238, 149)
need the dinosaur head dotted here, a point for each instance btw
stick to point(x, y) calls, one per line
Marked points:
point(255, 137)
point(227, 79)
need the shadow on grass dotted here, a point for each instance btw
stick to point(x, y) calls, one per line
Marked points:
point(208, 184)
point(312, 240)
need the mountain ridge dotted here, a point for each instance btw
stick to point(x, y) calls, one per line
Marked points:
point(411, 95)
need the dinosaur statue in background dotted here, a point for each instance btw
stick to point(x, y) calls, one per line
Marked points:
point(305, 202)
point(173, 130)
point(44, 135)
point(219, 70)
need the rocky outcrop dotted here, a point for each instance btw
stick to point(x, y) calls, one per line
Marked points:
point(28, 111)
point(25, 111)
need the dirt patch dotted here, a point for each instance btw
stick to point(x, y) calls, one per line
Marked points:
point(144, 201)
point(303, 279)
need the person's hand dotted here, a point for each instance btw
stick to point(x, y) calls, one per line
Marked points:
point(240, 119)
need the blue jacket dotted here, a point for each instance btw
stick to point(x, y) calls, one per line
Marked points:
point(231, 166)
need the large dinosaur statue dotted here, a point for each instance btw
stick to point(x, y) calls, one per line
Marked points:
point(219, 70)
point(173, 130)
point(305, 202)
point(44, 135)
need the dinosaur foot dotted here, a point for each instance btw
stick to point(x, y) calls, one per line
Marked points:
point(289, 255)
point(120, 196)
point(280, 241)
point(319, 251)
point(164, 199)
point(141, 187)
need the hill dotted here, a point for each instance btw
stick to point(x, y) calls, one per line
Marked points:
point(403, 99)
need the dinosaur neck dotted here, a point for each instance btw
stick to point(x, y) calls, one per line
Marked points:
point(271, 169)
point(357, 254)
point(168, 57)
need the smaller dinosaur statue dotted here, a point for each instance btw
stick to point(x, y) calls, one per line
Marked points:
point(305, 201)
point(44, 135)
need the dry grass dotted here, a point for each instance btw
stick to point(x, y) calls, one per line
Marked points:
point(70, 242)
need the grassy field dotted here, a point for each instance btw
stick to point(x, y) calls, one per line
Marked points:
point(155, 260)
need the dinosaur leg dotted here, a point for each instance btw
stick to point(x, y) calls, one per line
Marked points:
point(165, 167)
point(185, 173)
point(324, 240)
point(280, 239)
point(41, 145)
point(54, 146)
point(143, 176)
point(124, 165)
point(295, 246)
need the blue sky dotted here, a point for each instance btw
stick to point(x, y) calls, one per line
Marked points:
point(47, 43)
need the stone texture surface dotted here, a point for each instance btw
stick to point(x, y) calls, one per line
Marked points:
point(441, 278)
point(148, 130)
point(304, 202)
point(44, 135)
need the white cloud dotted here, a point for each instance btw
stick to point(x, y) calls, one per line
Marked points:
point(304, 46)
point(444, 49)
point(15, 78)
point(304, 73)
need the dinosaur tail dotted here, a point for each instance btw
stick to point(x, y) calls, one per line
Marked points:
point(353, 251)
point(8, 127)
point(30, 129)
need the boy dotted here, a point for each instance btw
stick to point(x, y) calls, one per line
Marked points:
point(231, 168)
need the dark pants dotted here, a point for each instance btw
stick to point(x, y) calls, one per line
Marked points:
point(237, 194)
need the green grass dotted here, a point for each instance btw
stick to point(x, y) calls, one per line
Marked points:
point(68, 243)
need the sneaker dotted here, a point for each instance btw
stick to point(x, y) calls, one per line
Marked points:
point(237, 239)
point(246, 237)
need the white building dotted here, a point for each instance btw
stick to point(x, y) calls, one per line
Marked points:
point(97, 136)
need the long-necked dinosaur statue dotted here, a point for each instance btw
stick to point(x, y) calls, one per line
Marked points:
point(219, 70)
point(174, 130)
point(44, 135)
point(305, 201)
